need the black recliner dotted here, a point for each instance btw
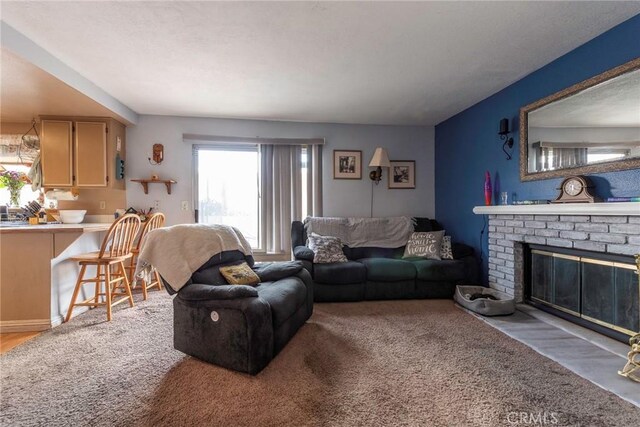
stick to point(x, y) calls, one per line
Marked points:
point(241, 327)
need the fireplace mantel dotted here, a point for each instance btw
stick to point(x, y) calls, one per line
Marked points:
point(605, 209)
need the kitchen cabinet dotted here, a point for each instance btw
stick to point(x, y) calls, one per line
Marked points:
point(38, 276)
point(56, 155)
point(81, 152)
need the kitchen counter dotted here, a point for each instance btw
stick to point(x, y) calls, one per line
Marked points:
point(8, 227)
point(37, 277)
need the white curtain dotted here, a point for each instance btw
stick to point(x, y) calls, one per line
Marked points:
point(551, 158)
point(569, 157)
point(281, 191)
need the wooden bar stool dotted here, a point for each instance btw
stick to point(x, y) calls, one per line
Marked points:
point(154, 221)
point(110, 269)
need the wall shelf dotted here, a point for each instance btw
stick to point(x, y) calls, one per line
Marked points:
point(145, 183)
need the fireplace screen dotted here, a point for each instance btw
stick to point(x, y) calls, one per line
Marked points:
point(604, 292)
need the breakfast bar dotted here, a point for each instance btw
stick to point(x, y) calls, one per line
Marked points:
point(34, 295)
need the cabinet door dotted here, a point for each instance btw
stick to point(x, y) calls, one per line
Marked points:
point(56, 153)
point(91, 154)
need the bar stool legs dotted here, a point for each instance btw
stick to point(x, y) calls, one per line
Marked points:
point(116, 287)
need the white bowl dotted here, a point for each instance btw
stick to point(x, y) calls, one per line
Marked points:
point(72, 216)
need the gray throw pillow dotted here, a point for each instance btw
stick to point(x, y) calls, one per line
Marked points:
point(326, 249)
point(424, 245)
point(445, 249)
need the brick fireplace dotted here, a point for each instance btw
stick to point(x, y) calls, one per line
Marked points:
point(612, 228)
point(593, 232)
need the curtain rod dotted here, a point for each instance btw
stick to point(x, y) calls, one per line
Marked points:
point(191, 137)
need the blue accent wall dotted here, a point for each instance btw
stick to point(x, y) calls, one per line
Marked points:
point(467, 144)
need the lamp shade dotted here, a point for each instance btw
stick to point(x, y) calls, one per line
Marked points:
point(380, 158)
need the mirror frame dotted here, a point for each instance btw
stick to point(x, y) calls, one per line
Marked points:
point(616, 165)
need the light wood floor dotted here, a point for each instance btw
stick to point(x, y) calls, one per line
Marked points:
point(13, 339)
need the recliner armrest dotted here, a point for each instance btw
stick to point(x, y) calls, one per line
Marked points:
point(461, 250)
point(202, 292)
point(303, 253)
point(273, 271)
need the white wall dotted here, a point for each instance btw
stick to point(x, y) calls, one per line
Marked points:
point(340, 197)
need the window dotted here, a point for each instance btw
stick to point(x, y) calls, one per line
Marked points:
point(227, 185)
point(258, 188)
point(26, 194)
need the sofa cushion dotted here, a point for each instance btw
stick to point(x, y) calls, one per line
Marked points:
point(388, 270)
point(340, 273)
point(240, 274)
point(326, 249)
point(284, 297)
point(434, 270)
point(424, 245)
point(445, 249)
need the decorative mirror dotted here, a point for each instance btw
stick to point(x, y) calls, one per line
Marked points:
point(590, 127)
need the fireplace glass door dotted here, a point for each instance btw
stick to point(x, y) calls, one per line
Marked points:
point(578, 285)
point(609, 291)
point(557, 279)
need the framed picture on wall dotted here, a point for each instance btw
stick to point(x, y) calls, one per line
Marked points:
point(347, 164)
point(402, 174)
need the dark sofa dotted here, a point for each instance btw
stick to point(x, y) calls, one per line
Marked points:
point(236, 326)
point(373, 273)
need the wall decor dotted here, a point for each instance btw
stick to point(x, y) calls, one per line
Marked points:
point(157, 154)
point(402, 174)
point(487, 189)
point(347, 164)
point(504, 133)
point(576, 189)
point(590, 127)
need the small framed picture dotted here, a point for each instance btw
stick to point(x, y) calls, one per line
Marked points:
point(402, 174)
point(347, 164)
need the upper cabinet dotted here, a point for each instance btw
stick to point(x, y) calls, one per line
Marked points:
point(56, 153)
point(90, 146)
point(82, 152)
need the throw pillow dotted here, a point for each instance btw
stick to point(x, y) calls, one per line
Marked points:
point(326, 249)
point(240, 274)
point(445, 249)
point(424, 245)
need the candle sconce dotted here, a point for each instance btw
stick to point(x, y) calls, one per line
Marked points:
point(504, 135)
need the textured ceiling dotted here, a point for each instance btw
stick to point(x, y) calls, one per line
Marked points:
point(382, 62)
point(614, 103)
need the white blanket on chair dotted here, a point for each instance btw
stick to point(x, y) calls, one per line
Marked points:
point(178, 251)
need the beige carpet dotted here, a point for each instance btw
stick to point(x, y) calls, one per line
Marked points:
point(391, 363)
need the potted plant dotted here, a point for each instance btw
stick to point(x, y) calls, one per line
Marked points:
point(13, 181)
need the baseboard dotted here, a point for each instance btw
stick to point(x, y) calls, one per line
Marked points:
point(31, 325)
point(59, 319)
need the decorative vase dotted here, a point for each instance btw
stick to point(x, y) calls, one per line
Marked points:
point(487, 189)
point(14, 197)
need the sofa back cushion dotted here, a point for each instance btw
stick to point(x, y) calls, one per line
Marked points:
point(209, 273)
point(371, 252)
point(299, 238)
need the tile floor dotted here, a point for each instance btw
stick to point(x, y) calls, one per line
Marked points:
point(591, 355)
